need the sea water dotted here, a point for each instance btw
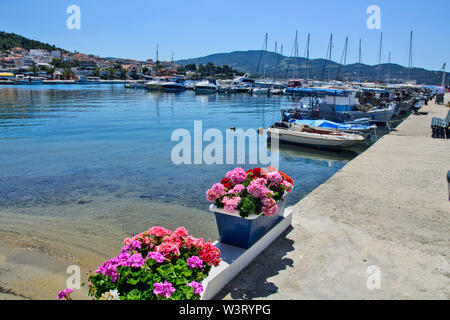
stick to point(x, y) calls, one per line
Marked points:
point(104, 152)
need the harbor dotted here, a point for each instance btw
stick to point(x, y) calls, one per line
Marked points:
point(387, 208)
point(229, 159)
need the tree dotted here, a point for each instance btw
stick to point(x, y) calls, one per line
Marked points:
point(96, 72)
point(123, 73)
point(68, 73)
point(110, 73)
point(190, 67)
point(34, 69)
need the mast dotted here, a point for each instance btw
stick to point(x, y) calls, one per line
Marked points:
point(307, 57)
point(359, 61)
point(389, 69)
point(379, 57)
point(157, 53)
point(327, 57)
point(278, 61)
point(261, 55)
point(331, 48)
point(410, 55)
point(443, 75)
point(343, 60)
point(281, 52)
point(296, 54)
point(292, 54)
point(265, 50)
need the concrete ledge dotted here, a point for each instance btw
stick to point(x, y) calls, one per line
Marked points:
point(235, 259)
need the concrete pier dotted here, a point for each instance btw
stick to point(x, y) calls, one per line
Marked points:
point(378, 229)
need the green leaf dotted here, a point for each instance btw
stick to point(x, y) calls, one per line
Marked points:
point(134, 294)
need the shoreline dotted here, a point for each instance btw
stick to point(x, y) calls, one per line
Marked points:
point(9, 82)
point(35, 250)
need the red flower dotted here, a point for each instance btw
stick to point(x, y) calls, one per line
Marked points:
point(226, 183)
point(257, 173)
point(287, 178)
point(210, 255)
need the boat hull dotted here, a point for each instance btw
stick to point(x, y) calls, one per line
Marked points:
point(314, 140)
point(380, 116)
point(205, 90)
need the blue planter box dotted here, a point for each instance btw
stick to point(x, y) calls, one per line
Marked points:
point(240, 232)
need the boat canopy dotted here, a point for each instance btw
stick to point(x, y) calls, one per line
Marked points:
point(376, 90)
point(318, 91)
point(329, 124)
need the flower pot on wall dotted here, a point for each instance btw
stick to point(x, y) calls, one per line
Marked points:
point(248, 204)
point(243, 232)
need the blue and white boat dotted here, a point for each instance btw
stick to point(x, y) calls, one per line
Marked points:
point(364, 129)
point(341, 105)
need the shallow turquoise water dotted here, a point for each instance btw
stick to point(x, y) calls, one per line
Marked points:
point(64, 147)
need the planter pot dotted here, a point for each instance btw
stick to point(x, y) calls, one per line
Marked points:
point(240, 232)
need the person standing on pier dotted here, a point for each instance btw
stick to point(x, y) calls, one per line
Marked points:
point(440, 95)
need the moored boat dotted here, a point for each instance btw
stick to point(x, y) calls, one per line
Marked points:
point(314, 137)
point(205, 86)
point(173, 86)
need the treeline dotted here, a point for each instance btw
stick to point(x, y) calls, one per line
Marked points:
point(210, 70)
point(12, 40)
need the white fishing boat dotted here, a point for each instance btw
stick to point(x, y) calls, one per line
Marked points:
point(314, 137)
point(205, 86)
point(260, 91)
point(405, 106)
point(227, 88)
point(173, 86)
point(154, 85)
point(21, 79)
point(243, 83)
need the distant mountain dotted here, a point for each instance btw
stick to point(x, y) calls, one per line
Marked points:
point(257, 62)
point(12, 40)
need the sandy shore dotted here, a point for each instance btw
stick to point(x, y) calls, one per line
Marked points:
point(35, 250)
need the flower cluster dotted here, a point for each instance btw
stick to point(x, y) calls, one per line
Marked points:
point(251, 192)
point(156, 264)
point(65, 294)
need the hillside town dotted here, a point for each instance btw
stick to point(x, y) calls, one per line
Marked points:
point(60, 65)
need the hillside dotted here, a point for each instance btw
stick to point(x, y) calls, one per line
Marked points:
point(247, 61)
point(11, 40)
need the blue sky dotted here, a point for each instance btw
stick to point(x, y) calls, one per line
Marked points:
point(196, 28)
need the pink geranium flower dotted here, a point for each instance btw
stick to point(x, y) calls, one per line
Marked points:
point(198, 287)
point(65, 294)
point(163, 289)
point(237, 176)
point(270, 207)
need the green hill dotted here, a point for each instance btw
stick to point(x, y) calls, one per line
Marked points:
point(273, 65)
point(11, 40)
